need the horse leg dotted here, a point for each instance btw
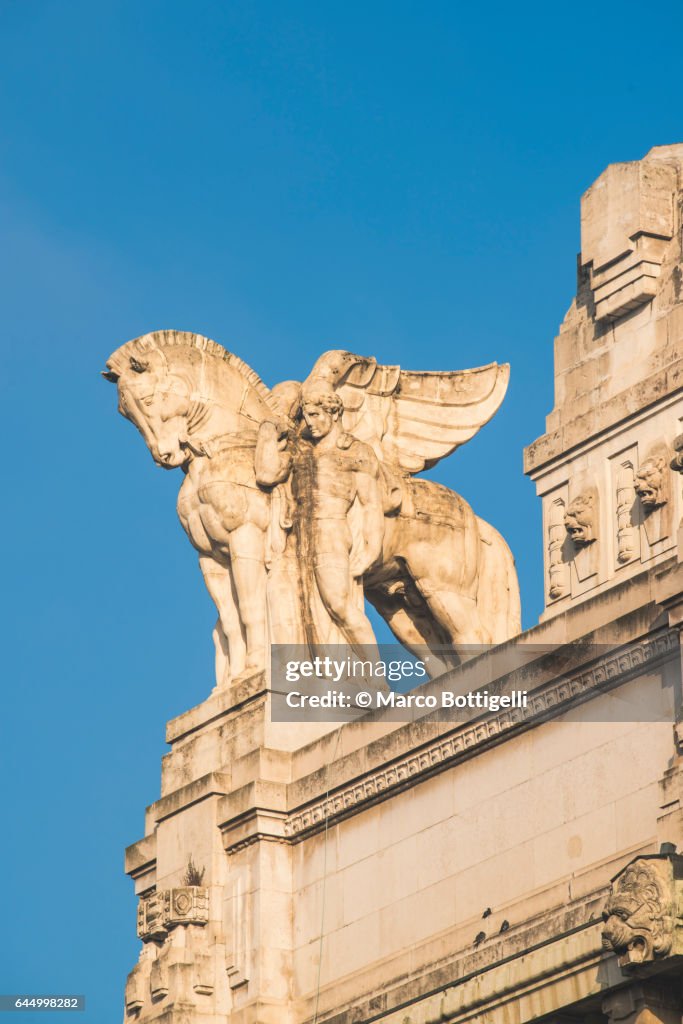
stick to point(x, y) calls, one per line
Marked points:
point(413, 628)
point(456, 613)
point(228, 638)
point(444, 565)
point(247, 559)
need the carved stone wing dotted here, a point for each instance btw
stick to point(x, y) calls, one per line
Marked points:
point(412, 419)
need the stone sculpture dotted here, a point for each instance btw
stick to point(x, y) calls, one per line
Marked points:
point(302, 500)
point(558, 568)
point(580, 519)
point(175, 962)
point(651, 480)
point(641, 914)
point(627, 536)
point(329, 476)
point(653, 487)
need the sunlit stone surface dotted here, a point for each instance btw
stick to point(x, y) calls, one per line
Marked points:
point(510, 866)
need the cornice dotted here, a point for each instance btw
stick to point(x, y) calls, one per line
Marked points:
point(548, 701)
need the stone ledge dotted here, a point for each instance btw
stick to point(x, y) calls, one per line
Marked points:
point(219, 704)
point(551, 699)
point(412, 753)
point(663, 384)
point(255, 811)
point(448, 958)
point(213, 784)
point(478, 983)
point(140, 856)
point(392, 756)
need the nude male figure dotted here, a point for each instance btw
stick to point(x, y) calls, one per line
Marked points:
point(329, 476)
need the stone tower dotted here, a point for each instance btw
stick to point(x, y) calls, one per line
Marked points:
point(611, 505)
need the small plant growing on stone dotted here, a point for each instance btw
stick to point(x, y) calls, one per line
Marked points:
point(193, 875)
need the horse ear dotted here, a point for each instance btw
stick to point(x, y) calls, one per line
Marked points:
point(136, 366)
point(110, 375)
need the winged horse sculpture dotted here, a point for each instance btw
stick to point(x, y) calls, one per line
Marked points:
point(444, 577)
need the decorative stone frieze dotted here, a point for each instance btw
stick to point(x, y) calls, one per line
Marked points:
point(175, 962)
point(554, 698)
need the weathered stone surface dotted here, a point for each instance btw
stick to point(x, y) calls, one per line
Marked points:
point(395, 837)
point(618, 383)
point(509, 867)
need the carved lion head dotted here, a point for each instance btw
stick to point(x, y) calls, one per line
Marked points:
point(580, 518)
point(638, 916)
point(649, 482)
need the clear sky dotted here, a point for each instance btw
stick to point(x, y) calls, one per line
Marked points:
point(400, 179)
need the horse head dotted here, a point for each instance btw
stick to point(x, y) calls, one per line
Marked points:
point(180, 390)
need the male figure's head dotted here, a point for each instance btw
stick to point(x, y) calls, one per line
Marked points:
point(322, 408)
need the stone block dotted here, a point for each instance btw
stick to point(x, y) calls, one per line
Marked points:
point(564, 850)
point(351, 948)
point(378, 881)
point(627, 200)
point(358, 837)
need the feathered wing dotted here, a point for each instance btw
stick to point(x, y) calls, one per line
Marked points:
point(412, 419)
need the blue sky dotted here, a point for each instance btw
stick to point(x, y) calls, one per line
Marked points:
point(401, 179)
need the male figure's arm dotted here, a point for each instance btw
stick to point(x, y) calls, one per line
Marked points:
point(273, 460)
point(370, 498)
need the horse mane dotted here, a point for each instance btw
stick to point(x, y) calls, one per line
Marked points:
point(120, 359)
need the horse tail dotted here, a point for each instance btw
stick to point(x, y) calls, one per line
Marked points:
point(498, 600)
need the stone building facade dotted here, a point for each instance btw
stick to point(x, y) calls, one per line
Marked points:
point(512, 866)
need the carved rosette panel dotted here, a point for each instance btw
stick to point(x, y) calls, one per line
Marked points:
point(164, 910)
point(643, 911)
